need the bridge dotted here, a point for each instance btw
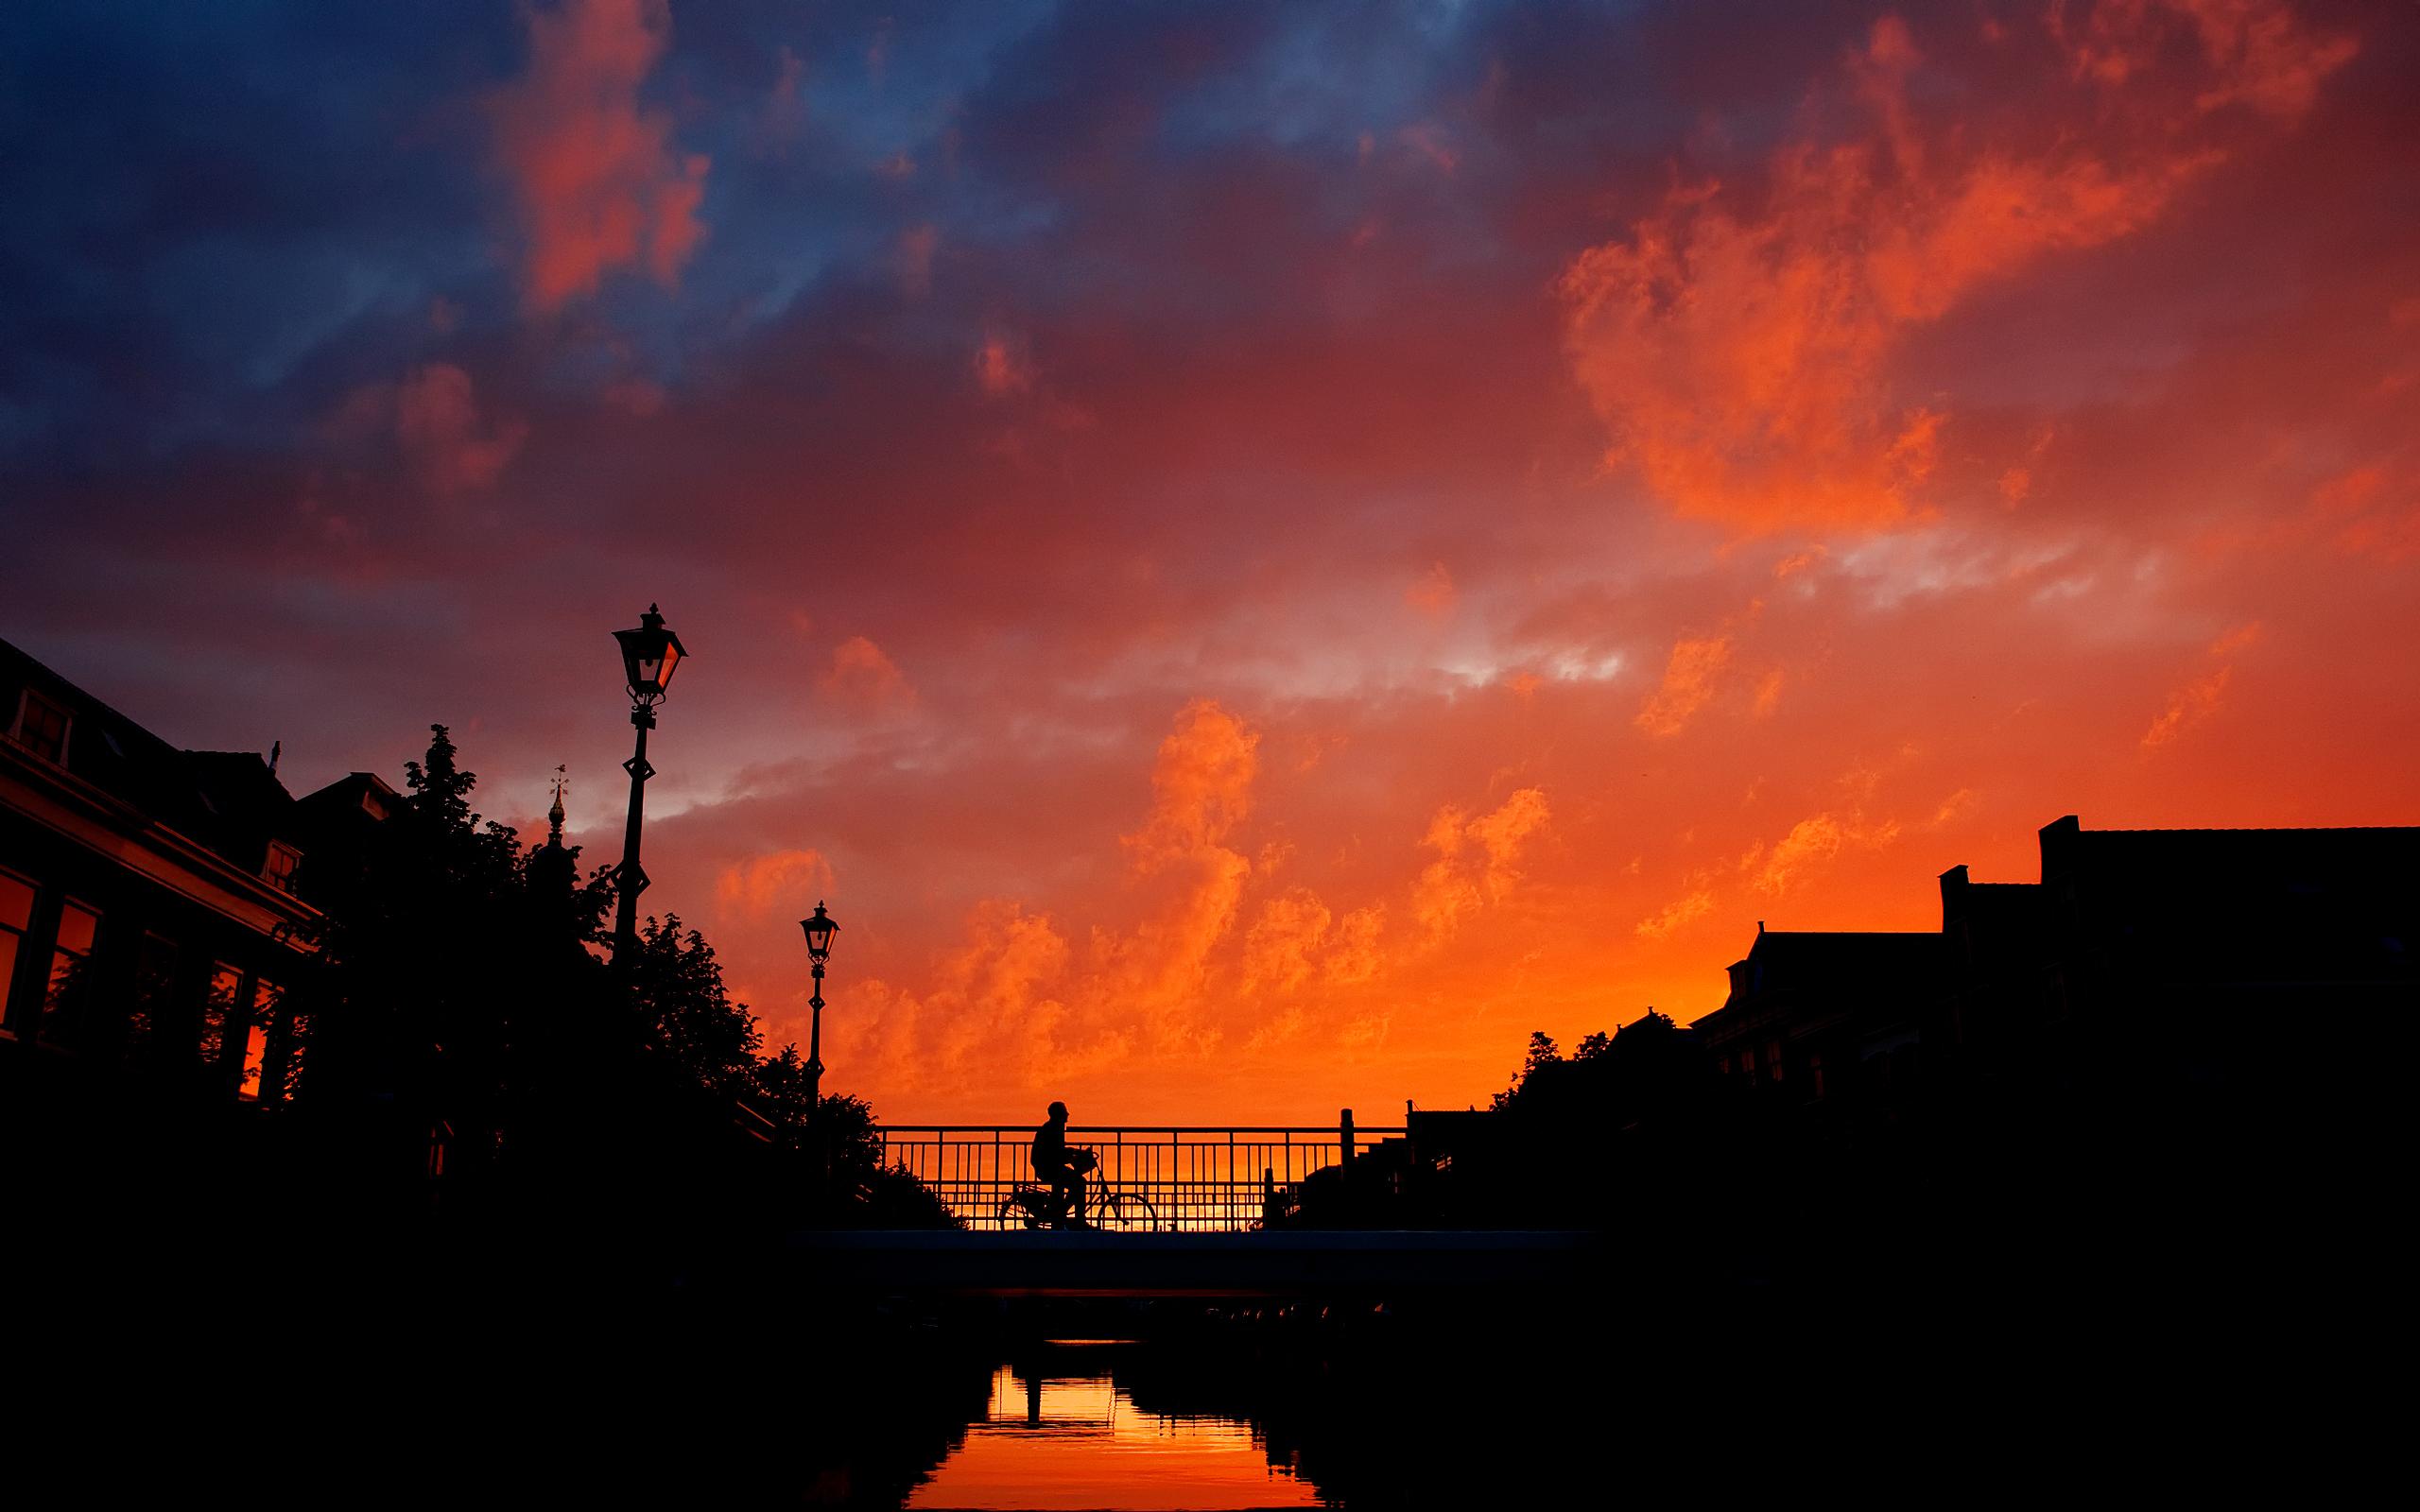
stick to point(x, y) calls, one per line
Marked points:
point(1189, 1178)
point(1201, 1211)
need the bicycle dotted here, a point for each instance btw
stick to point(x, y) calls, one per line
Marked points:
point(1105, 1206)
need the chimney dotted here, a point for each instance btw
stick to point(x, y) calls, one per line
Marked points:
point(2058, 839)
point(1954, 884)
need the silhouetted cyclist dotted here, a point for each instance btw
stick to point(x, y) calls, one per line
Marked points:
point(1064, 1172)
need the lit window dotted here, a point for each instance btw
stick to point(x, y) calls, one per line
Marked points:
point(41, 727)
point(257, 1028)
point(68, 992)
point(17, 916)
point(279, 868)
point(221, 1012)
point(1773, 1060)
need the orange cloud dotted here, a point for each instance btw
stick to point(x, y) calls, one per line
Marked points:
point(861, 673)
point(2188, 706)
point(2260, 53)
point(1457, 882)
point(1279, 946)
point(1741, 354)
point(599, 183)
point(1688, 682)
point(1200, 784)
point(1685, 910)
point(1769, 693)
point(782, 880)
point(1810, 845)
point(1353, 953)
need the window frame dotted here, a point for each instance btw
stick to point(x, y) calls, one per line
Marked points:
point(16, 966)
point(27, 700)
point(283, 880)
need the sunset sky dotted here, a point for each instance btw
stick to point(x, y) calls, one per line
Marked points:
point(1255, 554)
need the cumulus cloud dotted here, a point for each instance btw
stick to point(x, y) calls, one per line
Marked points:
point(1739, 346)
point(1200, 785)
point(1687, 909)
point(1478, 859)
point(2200, 698)
point(1689, 680)
point(1281, 945)
point(860, 674)
point(1809, 847)
point(434, 416)
point(756, 887)
point(437, 418)
point(599, 183)
point(1353, 953)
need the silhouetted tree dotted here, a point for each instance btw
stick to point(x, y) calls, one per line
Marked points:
point(463, 1004)
point(686, 1011)
point(1543, 1052)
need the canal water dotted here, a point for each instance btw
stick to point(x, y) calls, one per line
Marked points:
point(1063, 1431)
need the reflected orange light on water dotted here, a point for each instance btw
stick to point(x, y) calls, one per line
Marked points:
point(1065, 1442)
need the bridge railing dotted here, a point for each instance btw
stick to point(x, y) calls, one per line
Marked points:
point(1198, 1179)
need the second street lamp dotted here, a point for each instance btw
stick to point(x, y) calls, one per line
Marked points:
point(651, 654)
point(819, 950)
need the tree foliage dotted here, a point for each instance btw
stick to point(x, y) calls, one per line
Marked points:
point(463, 1002)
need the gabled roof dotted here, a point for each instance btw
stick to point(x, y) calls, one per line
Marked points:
point(226, 802)
point(1790, 953)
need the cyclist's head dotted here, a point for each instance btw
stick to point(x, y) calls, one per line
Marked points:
point(1059, 1111)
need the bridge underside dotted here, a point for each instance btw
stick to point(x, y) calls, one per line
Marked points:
point(1356, 1262)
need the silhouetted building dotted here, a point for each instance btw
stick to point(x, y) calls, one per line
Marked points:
point(146, 910)
point(2163, 952)
point(2184, 951)
point(1812, 1010)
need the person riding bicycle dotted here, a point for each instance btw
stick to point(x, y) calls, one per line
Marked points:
point(1061, 1169)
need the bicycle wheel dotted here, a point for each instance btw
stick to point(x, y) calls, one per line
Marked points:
point(1129, 1211)
point(1015, 1214)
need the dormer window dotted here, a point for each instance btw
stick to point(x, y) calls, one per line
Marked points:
point(279, 868)
point(41, 727)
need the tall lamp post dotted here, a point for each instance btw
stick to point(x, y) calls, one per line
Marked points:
point(819, 950)
point(649, 656)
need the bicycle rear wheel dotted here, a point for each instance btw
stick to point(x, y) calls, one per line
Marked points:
point(1014, 1214)
point(1129, 1211)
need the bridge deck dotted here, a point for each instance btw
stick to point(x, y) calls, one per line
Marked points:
point(1286, 1264)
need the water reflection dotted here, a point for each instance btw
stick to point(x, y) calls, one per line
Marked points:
point(1063, 1432)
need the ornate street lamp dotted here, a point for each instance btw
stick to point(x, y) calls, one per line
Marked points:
point(651, 655)
point(819, 950)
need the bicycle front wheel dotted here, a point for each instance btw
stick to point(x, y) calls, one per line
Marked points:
point(1129, 1211)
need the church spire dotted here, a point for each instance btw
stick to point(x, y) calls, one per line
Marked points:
point(555, 814)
